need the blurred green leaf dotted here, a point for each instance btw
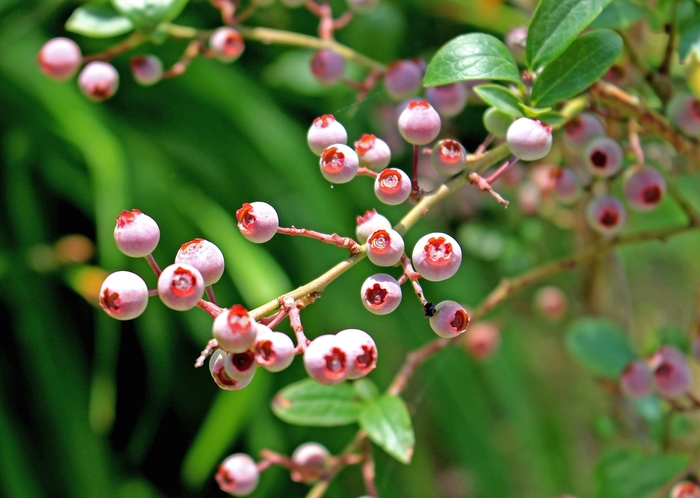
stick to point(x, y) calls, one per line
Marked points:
point(500, 98)
point(474, 56)
point(366, 389)
point(689, 41)
point(555, 25)
point(147, 14)
point(312, 404)
point(619, 14)
point(600, 345)
point(98, 21)
point(388, 424)
point(586, 60)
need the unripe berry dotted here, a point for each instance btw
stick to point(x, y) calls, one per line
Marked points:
point(325, 360)
point(60, 58)
point(123, 295)
point(361, 352)
point(380, 294)
point(482, 340)
point(672, 376)
point(450, 319)
point(606, 214)
point(257, 221)
point(368, 223)
point(274, 351)
point(685, 489)
point(448, 100)
point(98, 80)
point(419, 123)
point(136, 234)
point(392, 186)
point(339, 163)
point(204, 256)
point(436, 256)
point(448, 157)
point(683, 111)
point(324, 132)
point(238, 475)
point(603, 157)
point(529, 139)
point(550, 301)
point(180, 286)
point(373, 152)
point(403, 79)
point(567, 186)
point(235, 330)
point(147, 69)
point(328, 66)
point(385, 247)
point(581, 129)
point(312, 461)
point(227, 44)
point(497, 122)
point(217, 368)
point(515, 41)
point(635, 380)
point(240, 366)
point(644, 188)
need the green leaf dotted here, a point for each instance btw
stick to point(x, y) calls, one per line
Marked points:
point(534, 112)
point(551, 118)
point(500, 98)
point(600, 345)
point(148, 14)
point(474, 56)
point(689, 41)
point(312, 404)
point(388, 424)
point(555, 25)
point(98, 21)
point(626, 473)
point(619, 14)
point(577, 68)
point(366, 389)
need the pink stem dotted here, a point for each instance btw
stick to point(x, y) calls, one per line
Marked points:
point(334, 239)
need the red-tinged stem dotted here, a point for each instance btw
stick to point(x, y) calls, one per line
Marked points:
point(210, 308)
point(132, 41)
point(295, 321)
point(410, 274)
point(497, 174)
point(343, 20)
point(274, 320)
point(477, 179)
point(228, 10)
point(194, 48)
point(368, 473)
point(211, 346)
point(210, 293)
point(367, 172)
point(482, 148)
point(334, 239)
point(635, 144)
point(416, 192)
point(152, 263)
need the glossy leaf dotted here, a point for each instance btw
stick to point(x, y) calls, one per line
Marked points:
point(98, 21)
point(554, 27)
point(534, 112)
point(501, 98)
point(577, 68)
point(388, 424)
point(600, 345)
point(618, 15)
point(474, 56)
point(312, 404)
point(147, 14)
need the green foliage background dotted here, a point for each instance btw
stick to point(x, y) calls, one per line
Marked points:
point(93, 407)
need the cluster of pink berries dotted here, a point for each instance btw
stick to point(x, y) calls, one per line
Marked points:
point(666, 371)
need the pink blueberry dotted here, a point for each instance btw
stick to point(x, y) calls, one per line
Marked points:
point(274, 351)
point(324, 132)
point(227, 44)
point(606, 214)
point(635, 380)
point(217, 368)
point(328, 66)
point(123, 295)
point(311, 461)
point(339, 163)
point(529, 139)
point(257, 221)
point(147, 69)
point(449, 157)
point(360, 350)
point(385, 247)
point(325, 360)
point(368, 223)
point(581, 129)
point(235, 330)
point(180, 286)
point(450, 319)
point(644, 188)
point(380, 294)
point(98, 80)
point(419, 123)
point(60, 58)
point(373, 152)
point(136, 234)
point(204, 256)
point(240, 366)
point(448, 100)
point(603, 157)
point(392, 186)
point(238, 475)
point(436, 256)
point(403, 79)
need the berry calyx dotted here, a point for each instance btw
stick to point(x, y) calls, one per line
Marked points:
point(449, 157)
point(380, 294)
point(644, 188)
point(227, 44)
point(392, 186)
point(603, 157)
point(274, 351)
point(240, 366)
point(60, 58)
point(368, 223)
point(373, 152)
point(325, 360)
point(204, 256)
point(217, 368)
point(361, 352)
point(436, 256)
point(450, 319)
point(123, 295)
point(235, 330)
point(328, 66)
point(136, 234)
point(385, 247)
point(581, 129)
point(238, 475)
point(180, 286)
point(606, 214)
point(98, 80)
point(339, 163)
point(419, 123)
point(257, 221)
point(529, 139)
point(324, 132)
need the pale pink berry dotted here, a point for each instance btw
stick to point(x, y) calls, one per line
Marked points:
point(683, 111)
point(380, 294)
point(123, 295)
point(685, 489)
point(436, 256)
point(274, 351)
point(368, 223)
point(98, 80)
point(60, 58)
point(550, 302)
point(238, 475)
point(361, 352)
point(235, 330)
point(529, 139)
point(217, 368)
point(339, 163)
point(373, 152)
point(147, 69)
point(227, 44)
point(603, 157)
point(136, 234)
point(257, 221)
point(671, 373)
point(328, 66)
point(567, 186)
point(644, 188)
point(581, 129)
point(240, 366)
point(482, 340)
point(324, 132)
point(449, 157)
point(606, 214)
point(515, 40)
point(419, 123)
point(385, 247)
point(311, 462)
point(204, 256)
point(450, 319)
point(325, 360)
point(635, 380)
point(403, 79)
point(448, 100)
point(392, 186)
point(180, 286)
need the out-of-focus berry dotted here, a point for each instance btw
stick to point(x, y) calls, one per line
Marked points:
point(567, 186)
point(606, 214)
point(311, 462)
point(147, 69)
point(529, 139)
point(123, 295)
point(235, 330)
point(257, 221)
point(368, 223)
point(325, 360)
point(385, 247)
point(324, 132)
point(380, 294)
point(581, 129)
point(436, 256)
point(603, 157)
point(449, 157)
point(204, 256)
point(403, 79)
point(328, 66)
point(450, 319)
point(238, 475)
point(361, 352)
point(671, 373)
point(392, 186)
point(98, 80)
point(515, 41)
point(180, 286)
point(685, 489)
point(683, 111)
point(635, 380)
point(60, 58)
point(448, 100)
point(644, 188)
point(373, 152)
point(550, 301)
point(136, 234)
point(482, 340)
point(227, 44)
point(419, 123)
point(339, 163)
